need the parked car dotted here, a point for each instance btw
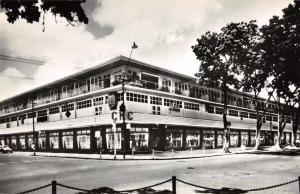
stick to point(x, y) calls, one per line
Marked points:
point(5, 149)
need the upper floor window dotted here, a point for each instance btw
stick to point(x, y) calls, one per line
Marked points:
point(167, 83)
point(137, 97)
point(98, 101)
point(169, 102)
point(42, 113)
point(243, 114)
point(155, 100)
point(234, 113)
point(191, 106)
point(219, 110)
point(31, 114)
point(106, 80)
point(66, 107)
point(53, 110)
point(83, 104)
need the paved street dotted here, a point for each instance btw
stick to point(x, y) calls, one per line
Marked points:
point(20, 172)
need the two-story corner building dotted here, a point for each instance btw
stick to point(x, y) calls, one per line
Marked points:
point(164, 110)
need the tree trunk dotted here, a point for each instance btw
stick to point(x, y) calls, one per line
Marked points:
point(258, 125)
point(296, 121)
point(225, 123)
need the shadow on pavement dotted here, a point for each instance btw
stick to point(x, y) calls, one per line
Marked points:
point(107, 190)
point(223, 190)
point(281, 152)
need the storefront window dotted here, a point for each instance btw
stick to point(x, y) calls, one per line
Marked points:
point(252, 136)
point(83, 139)
point(54, 140)
point(2, 141)
point(174, 138)
point(234, 138)
point(244, 138)
point(113, 139)
point(67, 140)
point(22, 141)
point(208, 138)
point(288, 138)
point(193, 138)
point(139, 137)
point(30, 142)
point(42, 141)
point(220, 138)
point(13, 142)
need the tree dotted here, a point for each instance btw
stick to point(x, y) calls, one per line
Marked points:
point(254, 76)
point(31, 10)
point(281, 43)
point(220, 55)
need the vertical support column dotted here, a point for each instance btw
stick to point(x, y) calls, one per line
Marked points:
point(173, 184)
point(75, 147)
point(184, 138)
point(60, 144)
point(216, 138)
point(47, 141)
point(239, 138)
point(103, 136)
point(162, 132)
point(54, 187)
point(201, 138)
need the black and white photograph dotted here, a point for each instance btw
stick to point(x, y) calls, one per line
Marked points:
point(149, 96)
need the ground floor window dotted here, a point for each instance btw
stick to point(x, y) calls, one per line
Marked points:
point(13, 143)
point(193, 138)
point(84, 139)
point(174, 138)
point(252, 138)
point(139, 137)
point(42, 141)
point(234, 138)
point(113, 139)
point(244, 138)
point(22, 141)
point(54, 140)
point(2, 141)
point(288, 138)
point(30, 142)
point(220, 138)
point(208, 138)
point(98, 137)
point(67, 140)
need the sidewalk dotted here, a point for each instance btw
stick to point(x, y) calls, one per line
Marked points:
point(157, 155)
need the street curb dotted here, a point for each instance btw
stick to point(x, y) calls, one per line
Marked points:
point(155, 158)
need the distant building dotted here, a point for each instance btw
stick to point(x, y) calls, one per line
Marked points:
point(164, 110)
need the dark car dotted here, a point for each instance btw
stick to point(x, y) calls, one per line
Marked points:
point(5, 149)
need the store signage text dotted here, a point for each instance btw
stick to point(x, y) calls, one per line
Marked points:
point(118, 115)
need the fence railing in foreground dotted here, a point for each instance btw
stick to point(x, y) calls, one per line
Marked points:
point(54, 186)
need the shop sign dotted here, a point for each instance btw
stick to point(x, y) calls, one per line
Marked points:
point(119, 116)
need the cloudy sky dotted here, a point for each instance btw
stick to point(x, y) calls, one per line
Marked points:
point(163, 30)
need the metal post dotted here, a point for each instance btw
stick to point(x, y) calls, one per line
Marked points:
point(173, 184)
point(54, 187)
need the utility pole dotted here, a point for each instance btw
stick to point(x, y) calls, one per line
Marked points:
point(33, 128)
point(126, 134)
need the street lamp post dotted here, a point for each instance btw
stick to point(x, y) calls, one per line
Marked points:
point(126, 133)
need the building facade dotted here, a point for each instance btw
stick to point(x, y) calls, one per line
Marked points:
point(164, 110)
